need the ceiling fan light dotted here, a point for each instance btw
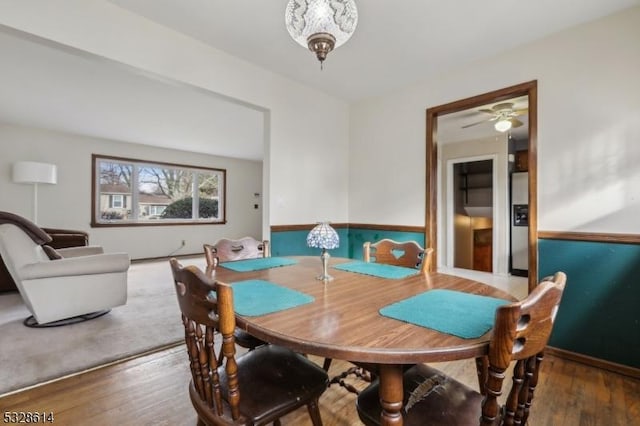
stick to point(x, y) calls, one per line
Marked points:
point(502, 125)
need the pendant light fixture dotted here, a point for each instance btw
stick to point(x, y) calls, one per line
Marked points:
point(321, 25)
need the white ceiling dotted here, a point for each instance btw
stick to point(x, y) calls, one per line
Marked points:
point(68, 91)
point(395, 44)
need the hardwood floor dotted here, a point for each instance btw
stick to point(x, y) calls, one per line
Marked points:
point(152, 390)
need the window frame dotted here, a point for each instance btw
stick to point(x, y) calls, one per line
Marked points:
point(97, 222)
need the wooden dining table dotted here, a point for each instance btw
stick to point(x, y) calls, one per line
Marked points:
point(343, 321)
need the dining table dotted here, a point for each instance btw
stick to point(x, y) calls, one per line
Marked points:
point(342, 318)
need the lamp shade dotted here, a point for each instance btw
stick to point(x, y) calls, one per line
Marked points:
point(503, 125)
point(321, 25)
point(33, 172)
point(323, 236)
point(304, 18)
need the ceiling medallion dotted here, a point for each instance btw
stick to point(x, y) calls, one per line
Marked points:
point(321, 25)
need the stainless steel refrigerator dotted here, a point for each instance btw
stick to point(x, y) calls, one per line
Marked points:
point(520, 223)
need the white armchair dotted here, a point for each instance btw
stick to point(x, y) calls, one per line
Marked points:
point(83, 284)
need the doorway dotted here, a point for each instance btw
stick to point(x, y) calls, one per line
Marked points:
point(470, 236)
point(432, 221)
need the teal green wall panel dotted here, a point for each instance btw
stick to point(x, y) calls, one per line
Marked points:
point(294, 243)
point(599, 315)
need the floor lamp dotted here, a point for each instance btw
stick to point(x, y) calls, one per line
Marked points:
point(35, 173)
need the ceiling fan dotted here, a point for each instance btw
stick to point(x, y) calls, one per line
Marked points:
point(504, 116)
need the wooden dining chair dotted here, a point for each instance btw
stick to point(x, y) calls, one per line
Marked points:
point(256, 388)
point(521, 332)
point(228, 250)
point(409, 254)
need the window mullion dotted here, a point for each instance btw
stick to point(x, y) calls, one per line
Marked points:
point(135, 192)
point(195, 195)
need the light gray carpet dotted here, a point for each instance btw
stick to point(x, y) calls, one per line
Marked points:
point(149, 320)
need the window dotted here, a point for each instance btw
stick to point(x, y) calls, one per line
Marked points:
point(137, 192)
point(116, 201)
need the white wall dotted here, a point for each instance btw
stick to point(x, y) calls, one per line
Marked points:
point(588, 130)
point(306, 152)
point(68, 203)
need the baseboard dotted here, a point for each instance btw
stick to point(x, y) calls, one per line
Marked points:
point(177, 256)
point(594, 362)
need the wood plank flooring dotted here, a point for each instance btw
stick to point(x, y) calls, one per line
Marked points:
point(152, 390)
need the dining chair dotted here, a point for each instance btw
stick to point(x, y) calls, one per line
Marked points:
point(520, 333)
point(255, 388)
point(409, 254)
point(228, 250)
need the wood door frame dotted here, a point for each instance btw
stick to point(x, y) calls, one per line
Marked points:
point(529, 89)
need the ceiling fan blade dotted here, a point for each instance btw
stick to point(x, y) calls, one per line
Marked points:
point(519, 112)
point(515, 122)
point(488, 111)
point(502, 106)
point(473, 124)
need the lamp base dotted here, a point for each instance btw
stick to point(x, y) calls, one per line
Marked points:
point(324, 257)
point(324, 277)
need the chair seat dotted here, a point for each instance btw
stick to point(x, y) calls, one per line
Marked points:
point(448, 403)
point(276, 381)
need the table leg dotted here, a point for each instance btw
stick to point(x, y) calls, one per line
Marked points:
point(391, 393)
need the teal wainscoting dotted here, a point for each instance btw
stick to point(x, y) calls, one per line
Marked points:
point(294, 243)
point(599, 315)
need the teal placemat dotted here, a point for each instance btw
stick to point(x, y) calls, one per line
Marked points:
point(377, 269)
point(258, 297)
point(461, 314)
point(257, 264)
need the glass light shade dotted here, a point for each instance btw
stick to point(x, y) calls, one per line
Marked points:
point(502, 125)
point(304, 18)
point(323, 236)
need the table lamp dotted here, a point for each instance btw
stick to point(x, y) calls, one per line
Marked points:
point(325, 237)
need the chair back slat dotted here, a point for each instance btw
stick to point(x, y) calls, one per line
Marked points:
point(522, 329)
point(408, 254)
